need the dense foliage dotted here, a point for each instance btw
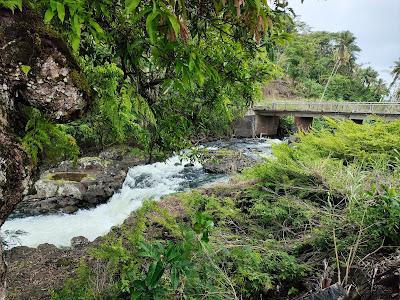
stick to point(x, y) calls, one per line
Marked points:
point(11, 4)
point(41, 136)
point(323, 65)
point(346, 168)
point(162, 73)
point(164, 256)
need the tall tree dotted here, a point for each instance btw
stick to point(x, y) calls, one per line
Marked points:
point(396, 78)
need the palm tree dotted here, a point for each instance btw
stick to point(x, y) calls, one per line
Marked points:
point(396, 78)
point(344, 55)
point(396, 72)
point(348, 40)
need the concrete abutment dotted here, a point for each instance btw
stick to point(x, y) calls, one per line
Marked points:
point(266, 125)
point(303, 123)
point(261, 125)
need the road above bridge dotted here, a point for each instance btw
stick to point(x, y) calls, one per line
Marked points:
point(264, 119)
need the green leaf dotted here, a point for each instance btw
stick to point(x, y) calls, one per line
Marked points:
point(191, 64)
point(131, 5)
point(76, 26)
point(204, 236)
point(75, 41)
point(18, 3)
point(151, 25)
point(11, 4)
point(258, 5)
point(175, 23)
point(174, 278)
point(72, 10)
point(157, 274)
point(53, 5)
point(48, 16)
point(140, 14)
point(96, 26)
point(25, 69)
point(61, 11)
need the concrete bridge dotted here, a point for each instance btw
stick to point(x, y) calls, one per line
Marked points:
point(264, 119)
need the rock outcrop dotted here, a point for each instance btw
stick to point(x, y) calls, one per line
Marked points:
point(37, 70)
point(85, 184)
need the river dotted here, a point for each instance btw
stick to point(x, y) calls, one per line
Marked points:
point(142, 182)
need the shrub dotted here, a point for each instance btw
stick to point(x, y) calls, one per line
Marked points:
point(47, 139)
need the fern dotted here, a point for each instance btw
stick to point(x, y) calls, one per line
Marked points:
point(119, 113)
point(50, 140)
point(11, 4)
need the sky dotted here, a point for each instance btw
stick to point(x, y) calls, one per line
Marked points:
point(375, 23)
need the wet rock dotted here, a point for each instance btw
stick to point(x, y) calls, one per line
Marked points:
point(46, 188)
point(89, 163)
point(79, 241)
point(51, 83)
point(37, 70)
point(71, 189)
point(226, 161)
point(14, 173)
point(72, 186)
point(48, 204)
point(70, 209)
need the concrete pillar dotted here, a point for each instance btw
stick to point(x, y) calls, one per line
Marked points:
point(266, 125)
point(358, 121)
point(303, 123)
point(244, 127)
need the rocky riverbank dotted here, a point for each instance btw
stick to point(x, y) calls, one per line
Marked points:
point(92, 180)
point(83, 184)
point(35, 272)
point(86, 183)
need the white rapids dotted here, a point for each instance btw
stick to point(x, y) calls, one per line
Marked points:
point(142, 182)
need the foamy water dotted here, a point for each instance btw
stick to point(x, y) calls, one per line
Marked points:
point(142, 182)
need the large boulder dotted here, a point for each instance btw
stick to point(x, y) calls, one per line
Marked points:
point(14, 179)
point(37, 68)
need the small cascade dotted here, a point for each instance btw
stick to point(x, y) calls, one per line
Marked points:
point(142, 182)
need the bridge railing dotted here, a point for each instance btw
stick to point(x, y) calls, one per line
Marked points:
point(379, 108)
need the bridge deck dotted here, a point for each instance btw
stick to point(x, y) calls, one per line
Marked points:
point(348, 109)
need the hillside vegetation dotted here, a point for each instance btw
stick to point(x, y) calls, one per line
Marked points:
point(323, 65)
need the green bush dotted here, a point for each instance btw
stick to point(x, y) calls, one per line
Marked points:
point(118, 114)
point(378, 214)
point(43, 139)
point(78, 288)
point(331, 169)
point(287, 216)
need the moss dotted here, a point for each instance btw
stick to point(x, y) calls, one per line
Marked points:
point(80, 81)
